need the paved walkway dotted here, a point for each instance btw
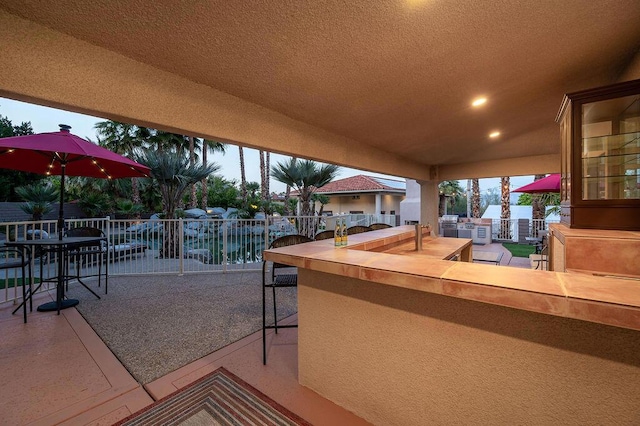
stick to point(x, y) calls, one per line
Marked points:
point(58, 371)
point(507, 258)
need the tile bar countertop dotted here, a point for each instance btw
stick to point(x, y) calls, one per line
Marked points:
point(604, 300)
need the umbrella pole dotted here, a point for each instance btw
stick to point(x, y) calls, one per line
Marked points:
point(61, 210)
point(61, 261)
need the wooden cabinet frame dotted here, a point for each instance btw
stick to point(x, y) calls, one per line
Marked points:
point(577, 212)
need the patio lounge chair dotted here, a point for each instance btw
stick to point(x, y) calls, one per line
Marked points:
point(277, 280)
point(119, 251)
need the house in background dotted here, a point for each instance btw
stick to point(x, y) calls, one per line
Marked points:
point(363, 194)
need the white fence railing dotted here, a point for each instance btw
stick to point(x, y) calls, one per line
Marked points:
point(181, 246)
point(508, 229)
point(171, 246)
point(42, 265)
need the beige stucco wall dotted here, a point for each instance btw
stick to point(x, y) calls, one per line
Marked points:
point(366, 203)
point(400, 357)
point(517, 166)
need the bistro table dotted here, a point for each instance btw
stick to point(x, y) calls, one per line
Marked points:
point(61, 247)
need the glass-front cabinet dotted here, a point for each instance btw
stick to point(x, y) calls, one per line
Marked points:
point(600, 133)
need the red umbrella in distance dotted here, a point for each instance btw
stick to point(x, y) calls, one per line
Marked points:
point(550, 183)
point(62, 153)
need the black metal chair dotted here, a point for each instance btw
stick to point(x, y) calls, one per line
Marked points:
point(324, 235)
point(376, 226)
point(277, 280)
point(542, 252)
point(14, 258)
point(357, 229)
point(86, 253)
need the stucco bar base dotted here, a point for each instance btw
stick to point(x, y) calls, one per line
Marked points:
point(396, 356)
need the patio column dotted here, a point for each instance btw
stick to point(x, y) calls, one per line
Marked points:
point(378, 204)
point(429, 198)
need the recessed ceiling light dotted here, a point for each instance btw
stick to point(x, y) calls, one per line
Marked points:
point(479, 102)
point(494, 134)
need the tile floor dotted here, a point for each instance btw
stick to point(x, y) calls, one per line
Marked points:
point(57, 371)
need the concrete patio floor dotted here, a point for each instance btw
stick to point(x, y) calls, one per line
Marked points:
point(58, 371)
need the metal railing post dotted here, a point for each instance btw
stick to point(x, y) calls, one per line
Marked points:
point(266, 235)
point(108, 235)
point(224, 245)
point(181, 246)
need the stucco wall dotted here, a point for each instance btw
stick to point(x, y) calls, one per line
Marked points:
point(401, 357)
point(410, 206)
point(366, 203)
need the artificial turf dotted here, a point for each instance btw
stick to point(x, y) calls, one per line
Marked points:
point(519, 250)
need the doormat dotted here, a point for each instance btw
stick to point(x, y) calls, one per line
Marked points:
point(219, 398)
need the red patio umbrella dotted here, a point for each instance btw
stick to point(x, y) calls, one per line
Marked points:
point(550, 183)
point(62, 153)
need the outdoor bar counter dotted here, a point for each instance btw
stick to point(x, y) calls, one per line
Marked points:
point(401, 337)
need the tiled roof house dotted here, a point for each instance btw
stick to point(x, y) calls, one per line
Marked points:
point(363, 194)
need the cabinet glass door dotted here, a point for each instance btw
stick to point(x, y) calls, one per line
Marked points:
point(611, 149)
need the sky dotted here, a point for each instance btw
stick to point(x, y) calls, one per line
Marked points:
point(45, 119)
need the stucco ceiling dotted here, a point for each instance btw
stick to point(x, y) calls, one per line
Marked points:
point(399, 75)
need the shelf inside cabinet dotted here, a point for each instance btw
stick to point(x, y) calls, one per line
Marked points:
point(629, 143)
point(623, 161)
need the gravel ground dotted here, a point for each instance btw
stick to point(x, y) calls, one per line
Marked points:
point(156, 324)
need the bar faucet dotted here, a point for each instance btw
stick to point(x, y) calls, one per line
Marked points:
point(418, 236)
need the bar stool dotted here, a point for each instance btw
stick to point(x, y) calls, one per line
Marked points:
point(277, 281)
point(14, 258)
point(324, 235)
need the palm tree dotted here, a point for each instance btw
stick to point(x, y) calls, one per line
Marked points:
point(267, 172)
point(505, 214)
point(305, 176)
point(125, 139)
point(243, 176)
point(538, 208)
point(321, 199)
point(193, 201)
point(213, 146)
point(475, 198)
point(263, 186)
point(287, 195)
point(38, 199)
point(265, 175)
point(537, 202)
point(174, 175)
point(170, 142)
point(448, 189)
